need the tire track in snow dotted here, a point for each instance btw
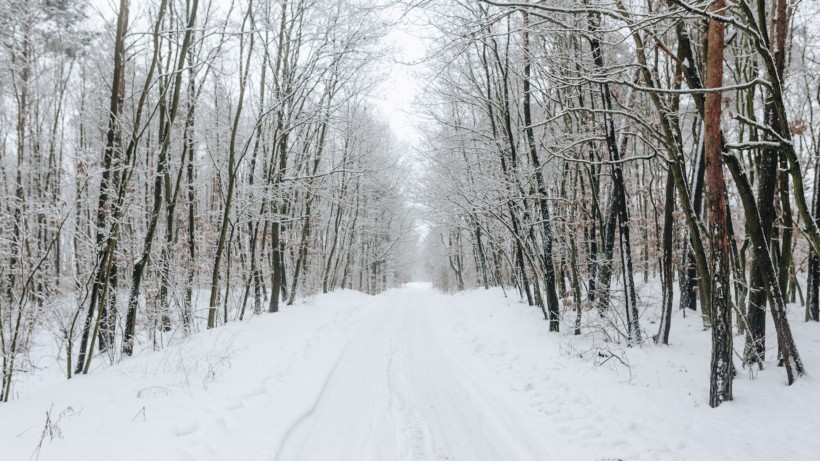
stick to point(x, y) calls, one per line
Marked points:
point(340, 421)
point(398, 393)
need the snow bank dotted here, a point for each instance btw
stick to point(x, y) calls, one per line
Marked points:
point(647, 402)
point(228, 393)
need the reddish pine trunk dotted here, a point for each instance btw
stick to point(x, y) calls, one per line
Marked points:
point(720, 382)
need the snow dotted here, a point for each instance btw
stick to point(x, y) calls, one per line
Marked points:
point(412, 374)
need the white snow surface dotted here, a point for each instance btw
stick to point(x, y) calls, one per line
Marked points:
point(413, 374)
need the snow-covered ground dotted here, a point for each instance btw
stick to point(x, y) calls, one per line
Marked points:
point(416, 375)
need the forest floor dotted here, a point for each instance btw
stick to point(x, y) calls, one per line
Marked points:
point(413, 374)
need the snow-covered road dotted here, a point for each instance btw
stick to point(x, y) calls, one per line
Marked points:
point(402, 390)
point(412, 374)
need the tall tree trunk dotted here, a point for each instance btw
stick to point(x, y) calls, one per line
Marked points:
point(226, 211)
point(666, 267)
point(549, 266)
point(767, 178)
point(188, 308)
point(111, 161)
point(720, 376)
point(813, 276)
point(689, 283)
point(790, 356)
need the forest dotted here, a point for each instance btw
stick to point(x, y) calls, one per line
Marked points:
point(171, 166)
point(194, 150)
point(576, 149)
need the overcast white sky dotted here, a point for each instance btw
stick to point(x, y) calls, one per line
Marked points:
point(396, 94)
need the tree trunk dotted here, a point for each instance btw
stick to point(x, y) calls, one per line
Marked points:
point(720, 377)
point(111, 159)
point(224, 221)
point(788, 349)
point(549, 266)
point(666, 267)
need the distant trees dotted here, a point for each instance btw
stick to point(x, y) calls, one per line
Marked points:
point(43, 45)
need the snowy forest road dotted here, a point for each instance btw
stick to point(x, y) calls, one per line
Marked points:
point(402, 390)
point(409, 374)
